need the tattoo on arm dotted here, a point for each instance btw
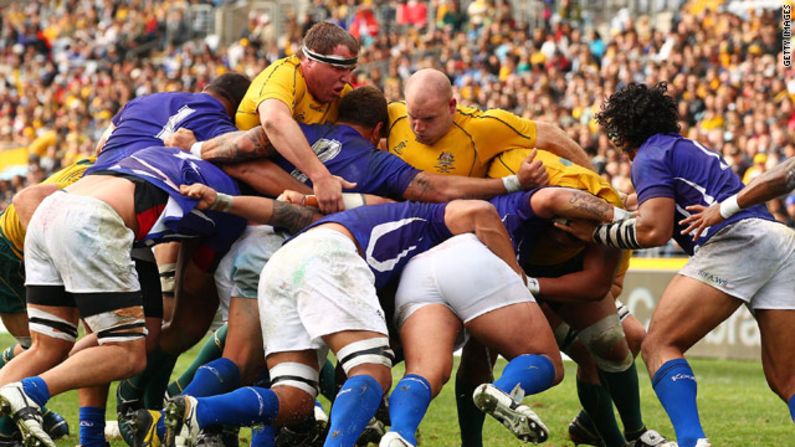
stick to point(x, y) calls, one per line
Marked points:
point(238, 146)
point(591, 205)
point(291, 217)
point(419, 189)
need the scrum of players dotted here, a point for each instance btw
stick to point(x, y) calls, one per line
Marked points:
point(319, 218)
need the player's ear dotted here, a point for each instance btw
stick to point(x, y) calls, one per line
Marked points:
point(378, 133)
point(452, 105)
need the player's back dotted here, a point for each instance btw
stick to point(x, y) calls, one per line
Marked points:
point(148, 120)
point(389, 235)
point(671, 166)
point(346, 153)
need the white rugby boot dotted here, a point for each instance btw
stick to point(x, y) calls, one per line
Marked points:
point(393, 439)
point(508, 409)
point(26, 414)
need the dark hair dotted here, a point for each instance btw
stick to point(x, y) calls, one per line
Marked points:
point(231, 86)
point(365, 106)
point(633, 114)
point(323, 37)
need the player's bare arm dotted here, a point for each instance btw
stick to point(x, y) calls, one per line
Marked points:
point(572, 204)
point(265, 177)
point(652, 227)
point(287, 138)
point(553, 139)
point(255, 209)
point(238, 146)
point(589, 284)
point(430, 187)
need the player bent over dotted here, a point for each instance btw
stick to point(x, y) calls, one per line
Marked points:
point(450, 285)
point(319, 293)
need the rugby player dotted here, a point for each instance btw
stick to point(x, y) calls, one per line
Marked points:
point(304, 88)
point(433, 133)
point(580, 284)
point(304, 314)
point(78, 263)
point(348, 150)
point(457, 284)
point(143, 122)
point(670, 173)
point(12, 286)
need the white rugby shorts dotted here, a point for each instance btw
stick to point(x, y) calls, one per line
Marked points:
point(462, 274)
point(80, 243)
point(238, 272)
point(752, 260)
point(316, 285)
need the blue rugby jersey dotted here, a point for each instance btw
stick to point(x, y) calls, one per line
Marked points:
point(669, 165)
point(167, 169)
point(146, 121)
point(349, 155)
point(389, 235)
point(522, 223)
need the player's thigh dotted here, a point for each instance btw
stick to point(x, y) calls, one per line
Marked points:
point(428, 337)
point(687, 311)
point(777, 328)
point(582, 315)
point(514, 330)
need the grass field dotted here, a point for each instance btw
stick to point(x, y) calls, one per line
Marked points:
point(737, 409)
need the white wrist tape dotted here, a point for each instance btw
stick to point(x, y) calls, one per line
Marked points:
point(511, 183)
point(533, 286)
point(620, 214)
point(353, 200)
point(196, 148)
point(729, 207)
point(223, 203)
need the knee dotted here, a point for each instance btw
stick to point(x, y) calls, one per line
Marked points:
point(437, 379)
point(295, 405)
point(605, 341)
point(380, 373)
point(50, 349)
point(557, 363)
point(634, 333)
point(134, 357)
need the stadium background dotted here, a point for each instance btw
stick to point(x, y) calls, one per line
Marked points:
point(66, 67)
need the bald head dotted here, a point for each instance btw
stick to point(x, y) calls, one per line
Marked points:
point(428, 84)
point(430, 105)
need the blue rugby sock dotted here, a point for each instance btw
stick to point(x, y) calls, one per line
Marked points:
point(263, 436)
point(356, 403)
point(92, 427)
point(216, 377)
point(675, 385)
point(160, 427)
point(36, 389)
point(792, 407)
point(534, 373)
point(245, 406)
point(407, 405)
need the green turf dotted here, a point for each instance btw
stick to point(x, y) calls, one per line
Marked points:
point(737, 409)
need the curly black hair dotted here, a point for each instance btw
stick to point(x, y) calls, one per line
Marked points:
point(633, 114)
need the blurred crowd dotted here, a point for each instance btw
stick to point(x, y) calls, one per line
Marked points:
point(68, 66)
